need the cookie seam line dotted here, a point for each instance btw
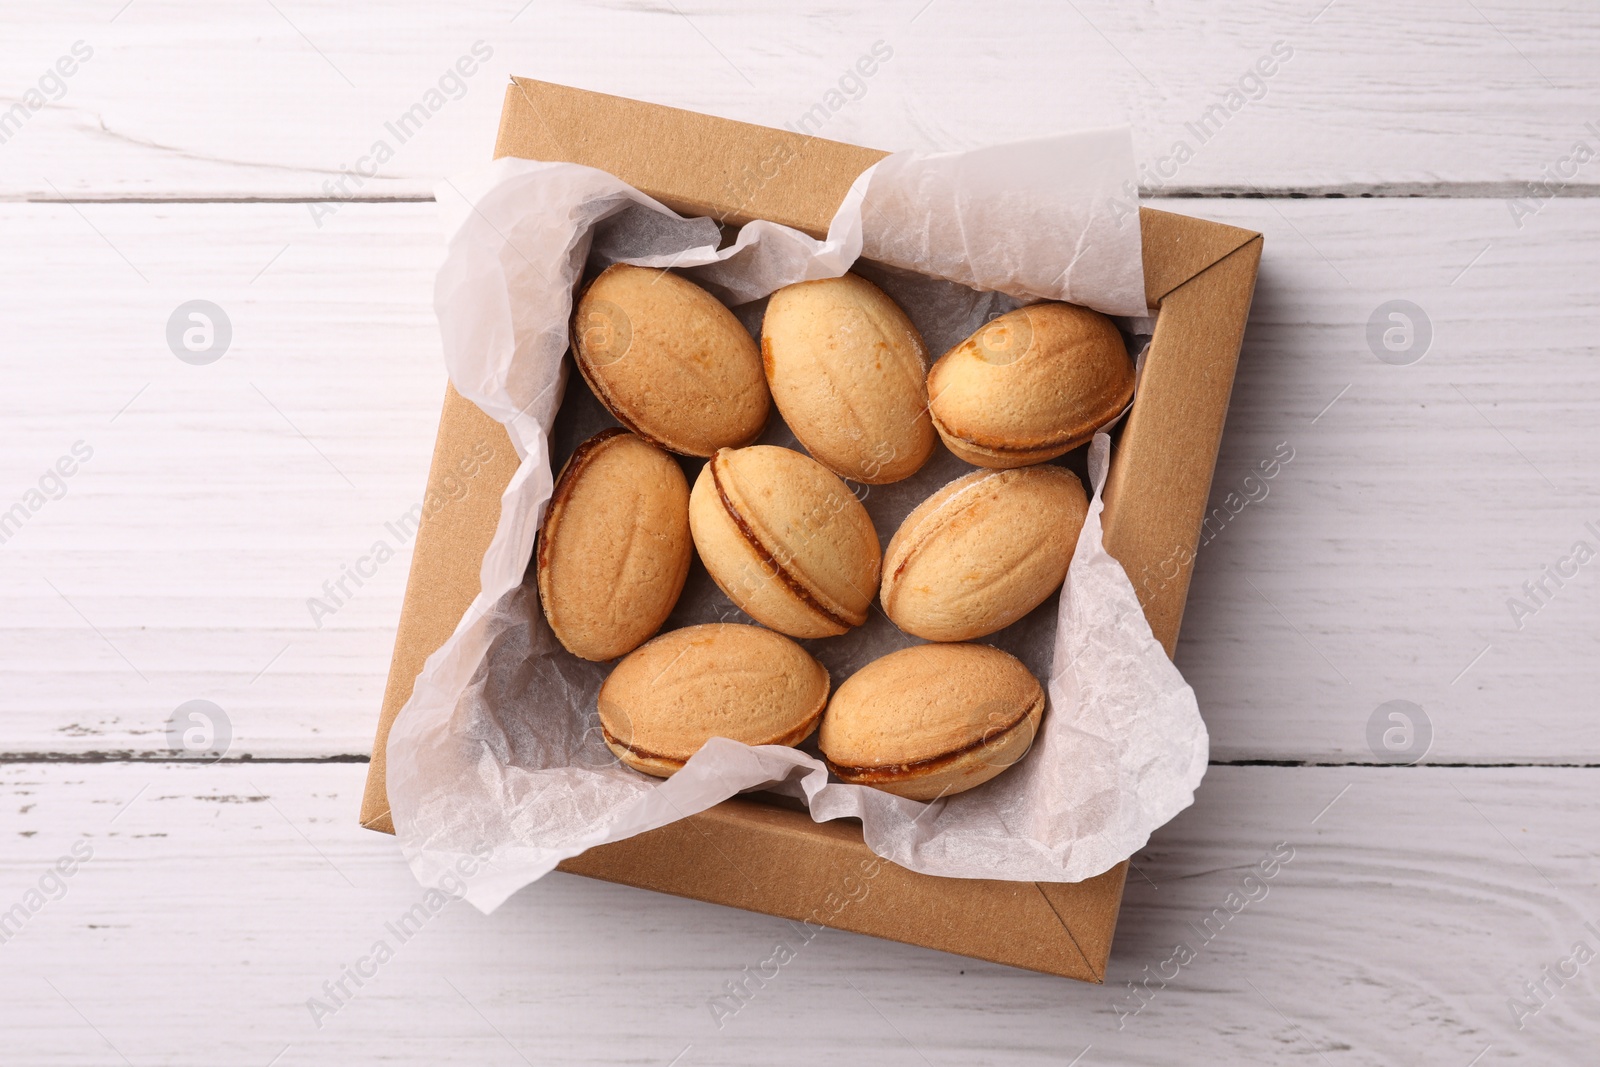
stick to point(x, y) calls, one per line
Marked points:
point(902, 770)
point(747, 532)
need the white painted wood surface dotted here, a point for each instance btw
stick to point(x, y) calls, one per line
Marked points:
point(1377, 567)
point(218, 900)
point(221, 497)
point(218, 498)
point(274, 99)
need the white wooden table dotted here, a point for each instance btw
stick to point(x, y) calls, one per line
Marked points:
point(195, 152)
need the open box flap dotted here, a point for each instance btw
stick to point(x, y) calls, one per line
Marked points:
point(786, 177)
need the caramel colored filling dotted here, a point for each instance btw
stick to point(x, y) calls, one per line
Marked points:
point(635, 750)
point(890, 772)
point(794, 737)
point(782, 573)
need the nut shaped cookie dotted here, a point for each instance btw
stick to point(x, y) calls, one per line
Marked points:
point(932, 720)
point(982, 552)
point(786, 540)
point(671, 695)
point(848, 372)
point(669, 361)
point(1031, 385)
point(614, 548)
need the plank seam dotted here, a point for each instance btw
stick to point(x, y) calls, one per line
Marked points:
point(1494, 190)
point(160, 757)
point(353, 757)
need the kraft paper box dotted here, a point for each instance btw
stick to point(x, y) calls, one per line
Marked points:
point(759, 856)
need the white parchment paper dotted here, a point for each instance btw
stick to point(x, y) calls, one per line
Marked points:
point(498, 750)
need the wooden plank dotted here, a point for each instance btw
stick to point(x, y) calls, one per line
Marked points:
point(219, 499)
point(287, 100)
point(1420, 499)
point(1378, 565)
point(1376, 568)
point(218, 900)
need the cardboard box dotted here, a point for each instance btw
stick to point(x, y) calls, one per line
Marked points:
point(766, 858)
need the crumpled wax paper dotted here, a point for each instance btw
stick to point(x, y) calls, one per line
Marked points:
point(498, 752)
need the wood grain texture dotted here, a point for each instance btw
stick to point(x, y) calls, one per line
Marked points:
point(219, 499)
point(1377, 566)
point(279, 99)
point(1419, 502)
point(219, 899)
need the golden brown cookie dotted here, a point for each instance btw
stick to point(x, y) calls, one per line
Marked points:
point(848, 372)
point(785, 539)
point(673, 694)
point(932, 720)
point(614, 549)
point(1031, 385)
point(669, 361)
point(982, 552)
